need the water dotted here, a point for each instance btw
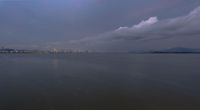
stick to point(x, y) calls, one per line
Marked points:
point(100, 82)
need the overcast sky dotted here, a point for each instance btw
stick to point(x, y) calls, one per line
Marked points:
point(106, 25)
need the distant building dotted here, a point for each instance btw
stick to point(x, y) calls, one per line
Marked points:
point(8, 50)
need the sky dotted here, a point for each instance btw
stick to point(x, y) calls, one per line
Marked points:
point(99, 25)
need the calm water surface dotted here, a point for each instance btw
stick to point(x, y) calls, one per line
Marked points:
point(100, 82)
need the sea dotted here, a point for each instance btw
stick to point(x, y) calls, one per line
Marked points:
point(100, 81)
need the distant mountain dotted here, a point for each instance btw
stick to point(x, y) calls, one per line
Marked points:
point(178, 50)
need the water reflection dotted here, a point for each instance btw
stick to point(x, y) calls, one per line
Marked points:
point(55, 63)
point(100, 82)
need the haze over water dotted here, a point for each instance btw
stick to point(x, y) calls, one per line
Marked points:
point(100, 82)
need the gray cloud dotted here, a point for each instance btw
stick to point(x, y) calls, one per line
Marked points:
point(43, 24)
point(148, 34)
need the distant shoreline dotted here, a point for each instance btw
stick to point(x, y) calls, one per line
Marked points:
point(100, 53)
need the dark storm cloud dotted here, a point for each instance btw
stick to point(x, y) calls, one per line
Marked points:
point(52, 23)
point(149, 33)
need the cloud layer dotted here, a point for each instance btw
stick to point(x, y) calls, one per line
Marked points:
point(149, 34)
